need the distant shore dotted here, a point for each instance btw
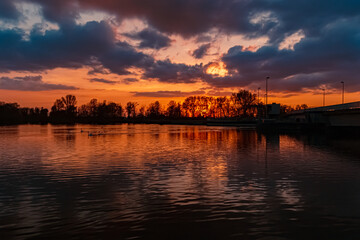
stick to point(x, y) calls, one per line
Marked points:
point(208, 122)
point(267, 126)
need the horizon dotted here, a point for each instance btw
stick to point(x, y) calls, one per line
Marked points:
point(127, 51)
point(164, 101)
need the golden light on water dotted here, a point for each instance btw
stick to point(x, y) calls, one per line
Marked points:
point(217, 69)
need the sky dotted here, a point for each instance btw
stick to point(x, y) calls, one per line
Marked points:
point(147, 50)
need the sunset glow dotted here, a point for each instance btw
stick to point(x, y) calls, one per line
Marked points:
point(217, 69)
point(121, 50)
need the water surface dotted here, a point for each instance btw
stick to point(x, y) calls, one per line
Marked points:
point(176, 182)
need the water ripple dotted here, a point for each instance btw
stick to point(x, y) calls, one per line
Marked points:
point(175, 182)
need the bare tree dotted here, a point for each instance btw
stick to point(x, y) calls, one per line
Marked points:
point(244, 103)
point(131, 109)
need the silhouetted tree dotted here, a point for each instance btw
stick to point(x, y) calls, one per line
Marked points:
point(244, 103)
point(64, 110)
point(189, 106)
point(173, 110)
point(241, 104)
point(104, 112)
point(58, 106)
point(154, 110)
point(44, 115)
point(142, 112)
point(285, 109)
point(220, 106)
point(10, 113)
point(69, 102)
point(131, 109)
point(301, 107)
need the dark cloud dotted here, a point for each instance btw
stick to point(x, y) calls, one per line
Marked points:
point(68, 47)
point(185, 17)
point(122, 57)
point(203, 38)
point(63, 12)
point(102, 80)
point(150, 38)
point(130, 80)
point(166, 71)
point(96, 66)
point(91, 45)
point(328, 54)
point(276, 19)
point(312, 17)
point(215, 93)
point(167, 94)
point(189, 17)
point(72, 46)
point(8, 10)
point(30, 83)
point(225, 82)
point(331, 57)
point(201, 51)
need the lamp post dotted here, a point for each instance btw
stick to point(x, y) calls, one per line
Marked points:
point(343, 92)
point(266, 98)
point(323, 97)
point(258, 105)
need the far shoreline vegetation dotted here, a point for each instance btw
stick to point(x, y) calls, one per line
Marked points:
point(241, 106)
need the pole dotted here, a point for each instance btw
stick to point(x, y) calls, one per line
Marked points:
point(258, 106)
point(324, 97)
point(343, 92)
point(266, 99)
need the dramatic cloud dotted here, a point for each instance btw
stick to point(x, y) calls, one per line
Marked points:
point(151, 38)
point(122, 57)
point(102, 80)
point(167, 94)
point(331, 57)
point(201, 51)
point(30, 83)
point(165, 71)
point(72, 46)
point(68, 47)
point(275, 19)
point(310, 44)
point(188, 17)
point(59, 11)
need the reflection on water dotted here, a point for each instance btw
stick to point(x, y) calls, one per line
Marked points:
point(176, 182)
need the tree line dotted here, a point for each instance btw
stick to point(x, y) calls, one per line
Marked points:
point(242, 105)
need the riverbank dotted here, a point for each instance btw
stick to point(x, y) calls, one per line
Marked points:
point(162, 121)
point(264, 126)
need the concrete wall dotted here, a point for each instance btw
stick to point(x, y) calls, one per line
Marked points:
point(344, 120)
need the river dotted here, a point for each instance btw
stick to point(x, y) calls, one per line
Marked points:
point(176, 182)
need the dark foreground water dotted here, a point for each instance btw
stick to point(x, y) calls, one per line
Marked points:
point(176, 182)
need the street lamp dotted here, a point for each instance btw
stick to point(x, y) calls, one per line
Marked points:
point(266, 99)
point(343, 92)
point(258, 106)
point(323, 97)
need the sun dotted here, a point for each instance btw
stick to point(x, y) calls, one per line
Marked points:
point(217, 68)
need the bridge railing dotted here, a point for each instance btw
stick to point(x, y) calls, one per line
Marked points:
point(345, 106)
